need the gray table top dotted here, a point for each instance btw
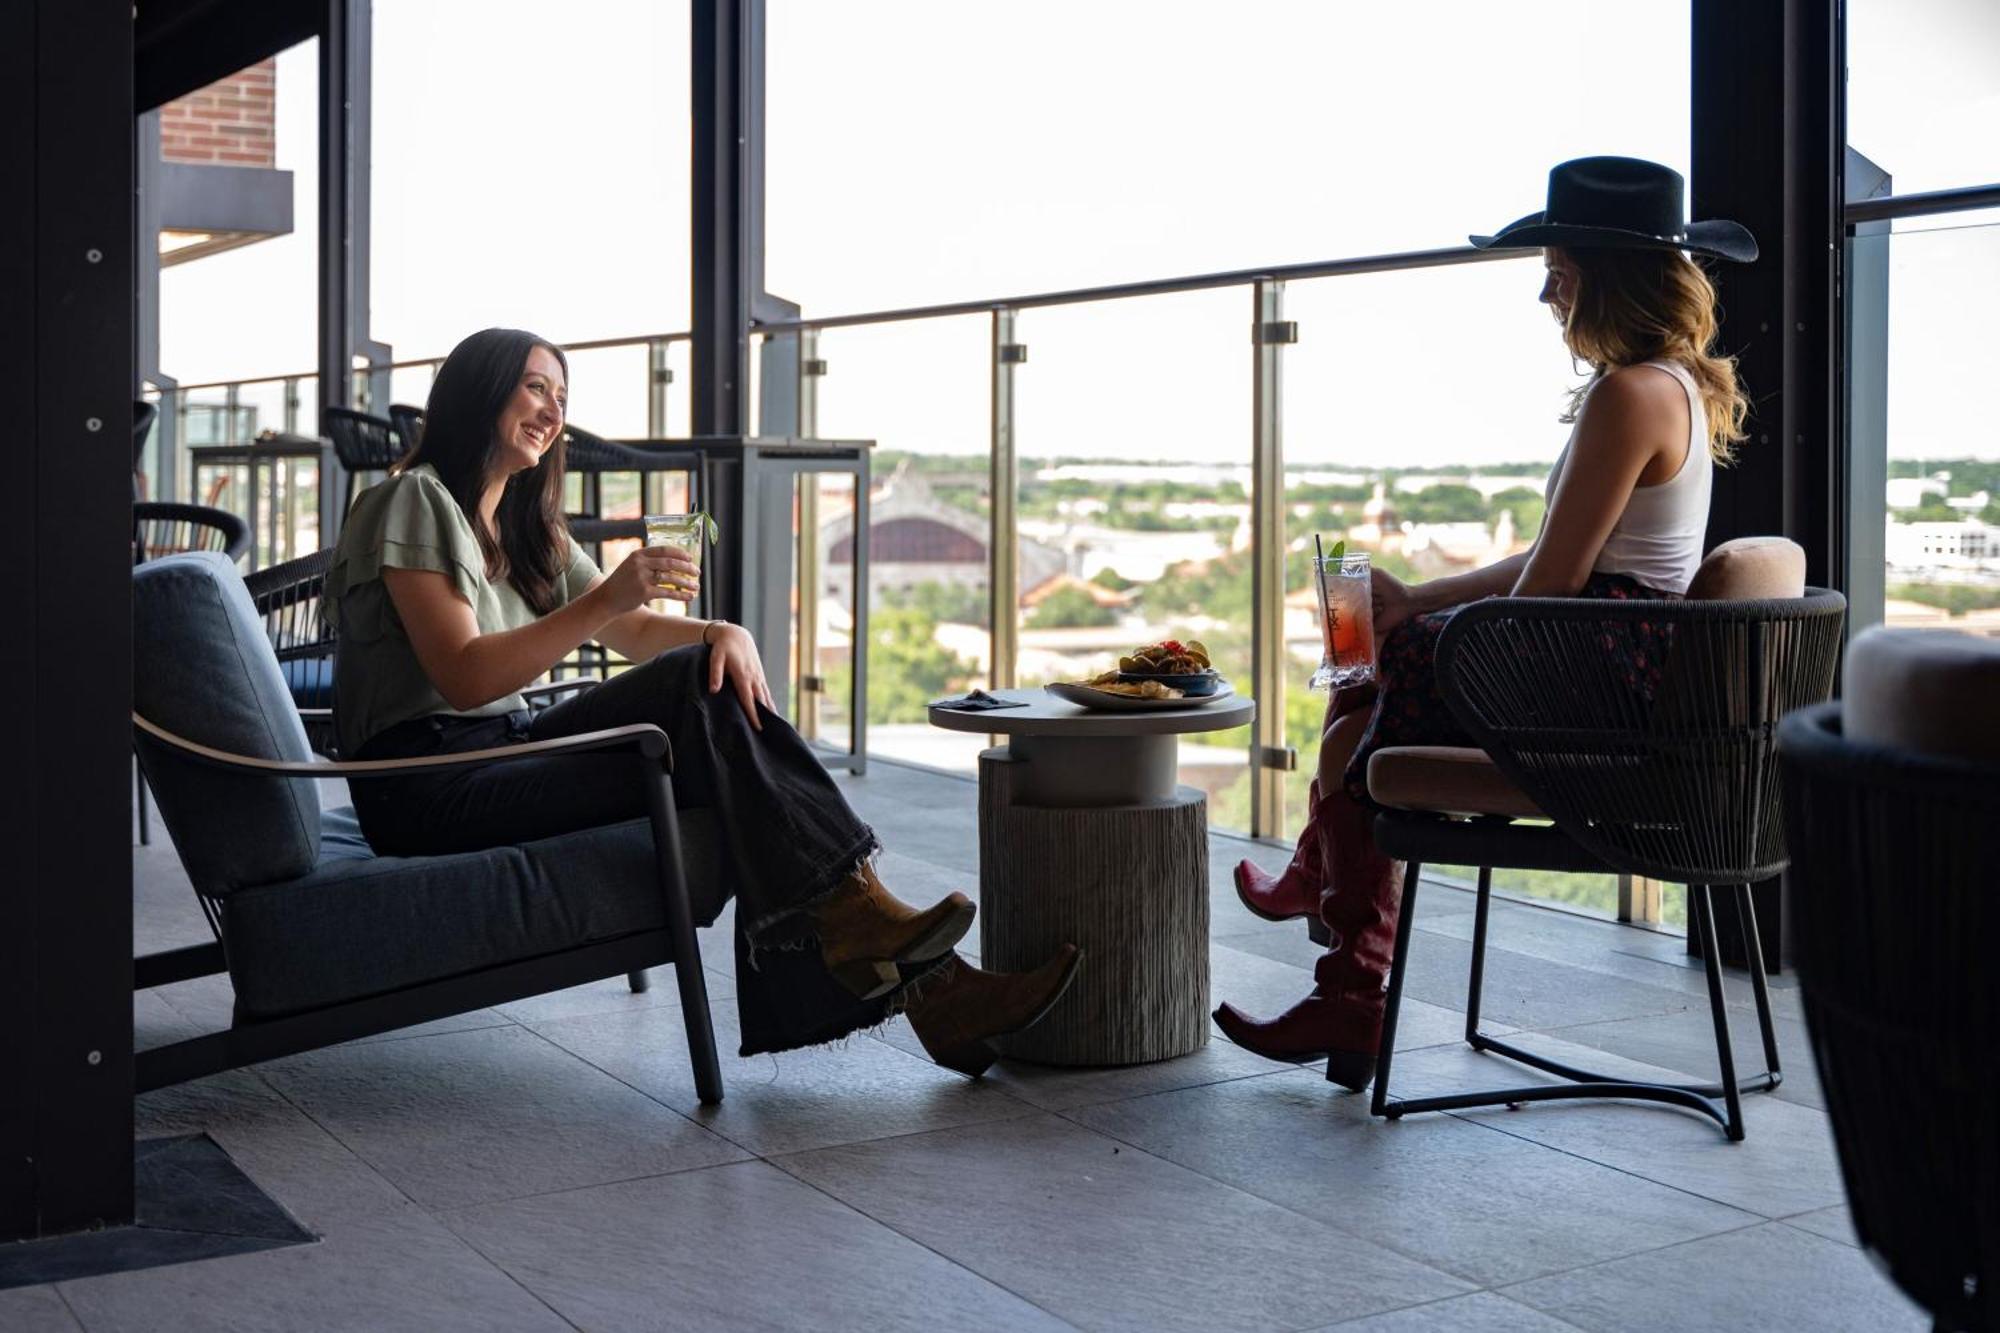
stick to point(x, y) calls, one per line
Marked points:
point(1046, 715)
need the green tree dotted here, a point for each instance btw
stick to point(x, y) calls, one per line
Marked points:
point(1112, 579)
point(1932, 510)
point(907, 666)
point(1071, 607)
point(1527, 506)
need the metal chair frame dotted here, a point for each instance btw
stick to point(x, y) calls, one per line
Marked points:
point(1519, 674)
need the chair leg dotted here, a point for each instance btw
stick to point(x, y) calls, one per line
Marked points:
point(1702, 903)
point(638, 981)
point(1478, 982)
point(1406, 916)
point(1746, 918)
point(687, 949)
point(139, 796)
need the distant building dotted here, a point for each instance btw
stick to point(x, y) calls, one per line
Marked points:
point(1965, 546)
point(1911, 492)
point(916, 538)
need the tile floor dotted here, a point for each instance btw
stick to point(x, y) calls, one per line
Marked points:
point(545, 1164)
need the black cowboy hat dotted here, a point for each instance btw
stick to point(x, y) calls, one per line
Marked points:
point(1620, 203)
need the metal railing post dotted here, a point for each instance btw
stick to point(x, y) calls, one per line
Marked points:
point(1270, 757)
point(653, 485)
point(806, 646)
point(292, 405)
point(1003, 579)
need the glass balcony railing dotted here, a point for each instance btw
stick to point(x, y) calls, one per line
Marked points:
point(1128, 506)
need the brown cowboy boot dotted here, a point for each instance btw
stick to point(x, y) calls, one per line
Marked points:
point(960, 1009)
point(1341, 1020)
point(864, 931)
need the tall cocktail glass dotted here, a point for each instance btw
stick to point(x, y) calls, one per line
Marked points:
point(679, 530)
point(1347, 621)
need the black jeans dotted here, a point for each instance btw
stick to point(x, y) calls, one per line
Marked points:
point(787, 835)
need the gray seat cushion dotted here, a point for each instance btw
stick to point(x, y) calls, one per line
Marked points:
point(360, 924)
point(203, 669)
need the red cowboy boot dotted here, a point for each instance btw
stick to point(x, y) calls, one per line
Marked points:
point(1341, 1020)
point(1294, 891)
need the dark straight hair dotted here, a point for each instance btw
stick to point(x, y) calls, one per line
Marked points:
point(460, 440)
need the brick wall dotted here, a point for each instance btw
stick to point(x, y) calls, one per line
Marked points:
point(228, 123)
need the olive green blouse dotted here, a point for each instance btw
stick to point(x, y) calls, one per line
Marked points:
point(411, 521)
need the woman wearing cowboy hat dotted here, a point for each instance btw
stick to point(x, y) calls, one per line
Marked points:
point(1627, 509)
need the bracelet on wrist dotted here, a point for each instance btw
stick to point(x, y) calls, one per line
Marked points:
point(713, 624)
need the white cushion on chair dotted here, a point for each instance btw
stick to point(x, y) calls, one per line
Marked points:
point(1931, 691)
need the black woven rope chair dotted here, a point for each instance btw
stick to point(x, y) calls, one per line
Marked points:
point(591, 456)
point(1893, 809)
point(144, 414)
point(408, 423)
point(287, 596)
point(163, 528)
point(1676, 782)
point(367, 446)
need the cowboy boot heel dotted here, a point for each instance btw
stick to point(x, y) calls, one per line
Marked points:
point(866, 980)
point(1350, 1069)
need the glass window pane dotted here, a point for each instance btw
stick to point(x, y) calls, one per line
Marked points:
point(923, 152)
point(1923, 409)
point(1923, 90)
point(1429, 480)
point(529, 173)
point(1133, 436)
point(920, 391)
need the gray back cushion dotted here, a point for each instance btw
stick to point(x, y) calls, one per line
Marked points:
point(203, 669)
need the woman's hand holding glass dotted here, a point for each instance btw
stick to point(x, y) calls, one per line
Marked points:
point(650, 573)
point(1394, 603)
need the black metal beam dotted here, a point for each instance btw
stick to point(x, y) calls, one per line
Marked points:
point(66, 274)
point(1767, 136)
point(336, 260)
point(184, 45)
point(723, 43)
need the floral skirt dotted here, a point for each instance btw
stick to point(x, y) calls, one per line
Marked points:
point(1408, 710)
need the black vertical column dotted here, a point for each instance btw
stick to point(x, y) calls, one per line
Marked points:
point(66, 274)
point(336, 211)
point(720, 236)
point(1767, 138)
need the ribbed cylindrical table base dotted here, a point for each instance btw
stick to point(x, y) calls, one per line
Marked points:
point(1126, 884)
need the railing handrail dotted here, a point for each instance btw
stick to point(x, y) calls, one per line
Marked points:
point(1325, 268)
point(1193, 282)
point(1921, 204)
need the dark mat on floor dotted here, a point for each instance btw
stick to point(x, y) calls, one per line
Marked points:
point(192, 1203)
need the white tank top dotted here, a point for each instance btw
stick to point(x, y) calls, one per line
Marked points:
point(1658, 539)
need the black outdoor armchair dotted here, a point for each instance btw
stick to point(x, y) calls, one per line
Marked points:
point(325, 941)
point(288, 597)
point(162, 527)
point(365, 445)
point(1609, 747)
point(1893, 806)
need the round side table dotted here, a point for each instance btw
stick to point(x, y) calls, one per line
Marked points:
point(1085, 837)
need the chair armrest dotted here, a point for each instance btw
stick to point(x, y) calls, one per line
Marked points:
point(644, 738)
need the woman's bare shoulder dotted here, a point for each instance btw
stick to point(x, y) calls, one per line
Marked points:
point(1643, 387)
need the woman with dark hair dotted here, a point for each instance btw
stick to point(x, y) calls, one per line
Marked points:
point(1627, 511)
point(455, 584)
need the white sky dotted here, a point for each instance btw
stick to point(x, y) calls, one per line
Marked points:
point(531, 169)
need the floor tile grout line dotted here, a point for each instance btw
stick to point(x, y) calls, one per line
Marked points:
point(1692, 1117)
point(503, 1271)
point(1431, 1264)
point(1648, 1253)
point(68, 1309)
point(1441, 1300)
point(921, 1244)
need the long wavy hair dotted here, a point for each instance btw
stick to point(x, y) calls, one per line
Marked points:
point(1629, 306)
point(461, 440)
